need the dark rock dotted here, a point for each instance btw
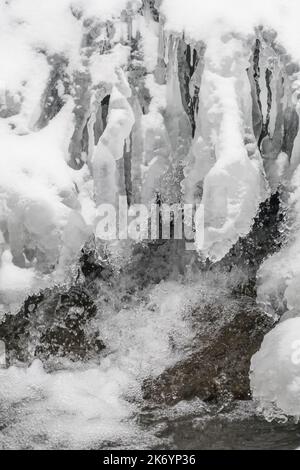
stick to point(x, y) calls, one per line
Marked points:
point(52, 100)
point(254, 74)
point(155, 261)
point(92, 265)
point(218, 368)
point(53, 323)
point(234, 426)
point(186, 69)
point(82, 97)
point(263, 240)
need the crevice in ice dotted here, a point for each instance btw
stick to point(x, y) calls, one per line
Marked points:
point(82, 95)
point(257, 108)
point(57, 87)
point(290, 130)
point(188, 60)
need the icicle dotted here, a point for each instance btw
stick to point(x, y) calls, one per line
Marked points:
point(2, 94)
point(192, 57)
point(111, 144)
point(2, 355)
point(276, 85)
point(220, 183)
point(176, 120)
point(155, 156)
point(134, 28)
point(173, 89)
point(161, 41)
point(91, 137)
point(127, 144)
point(137, 152)
point(295, 159)
point(168, 38)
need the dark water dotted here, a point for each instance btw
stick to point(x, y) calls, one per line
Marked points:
point(237, 428)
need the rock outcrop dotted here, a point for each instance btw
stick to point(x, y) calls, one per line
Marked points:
point(52, 324)
point(230, 332)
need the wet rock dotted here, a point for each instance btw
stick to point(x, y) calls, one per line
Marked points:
point(254, 75)
point(78, 147)
point(57, 87)
point(150, 263)
point(94, 264)
point(188, 59)
point(10, 104)
point(263, 240)
point(211, 427)
point(230, 332)
point(52, 324)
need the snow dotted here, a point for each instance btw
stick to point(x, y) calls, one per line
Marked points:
point(36, 161)
point(36, 22)
point(278, 277)
point(202, 20)
point(15, 282)
point(107, 10)
point(149, 33)
point(26, 29)
point(275, 377)
point(40, 200)
point(103, 67)
point(37, 189)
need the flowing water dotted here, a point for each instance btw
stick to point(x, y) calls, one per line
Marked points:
point(100, 405)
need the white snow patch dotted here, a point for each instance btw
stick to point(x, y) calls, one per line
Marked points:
point(202, 20)
point(275, 369)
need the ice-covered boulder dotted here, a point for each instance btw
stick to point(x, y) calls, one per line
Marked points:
point(229, 332)
point(275, 370)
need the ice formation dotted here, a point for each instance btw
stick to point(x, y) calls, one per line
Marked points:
point(275, 375)
point(185, 101)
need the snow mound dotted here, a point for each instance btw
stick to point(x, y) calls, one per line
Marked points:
point(275, 369)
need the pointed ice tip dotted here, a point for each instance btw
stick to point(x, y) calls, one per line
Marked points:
point(2, 354)
point(122, 84)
